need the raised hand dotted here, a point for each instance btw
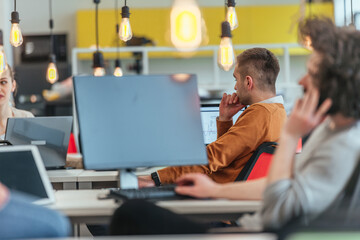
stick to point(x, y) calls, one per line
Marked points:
point(306, 115)
point(196, 185)
point(229, 106)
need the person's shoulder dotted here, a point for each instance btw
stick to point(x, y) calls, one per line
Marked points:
point(21, 113)
point(267, 107)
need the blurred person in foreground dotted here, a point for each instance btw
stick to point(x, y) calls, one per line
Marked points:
point(297, 187)
point(19, 218)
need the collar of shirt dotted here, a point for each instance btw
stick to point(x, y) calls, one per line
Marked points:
point(276, 99)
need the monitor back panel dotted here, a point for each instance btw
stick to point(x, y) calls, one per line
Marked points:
point(50, 134)
point(139, 121)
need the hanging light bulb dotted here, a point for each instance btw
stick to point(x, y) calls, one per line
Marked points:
point(185, 24)
point(98, 64)
point(98, 59)
point(16, 38)
point(226, 56)
point(231, 16)
point(3, 62)
point(52, 75)
point(125, 32)
point(118, 71)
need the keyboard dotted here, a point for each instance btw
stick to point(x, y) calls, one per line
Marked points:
point(161, 193)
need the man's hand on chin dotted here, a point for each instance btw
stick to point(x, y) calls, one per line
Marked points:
point(145, 181)
point(229, 106)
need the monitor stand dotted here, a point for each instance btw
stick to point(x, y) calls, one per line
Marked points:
point(128, 179)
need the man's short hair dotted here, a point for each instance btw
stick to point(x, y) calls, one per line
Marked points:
point(338, 73)
point(262, 65)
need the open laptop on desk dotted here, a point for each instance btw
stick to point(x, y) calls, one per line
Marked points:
point(22, 169)
point(50, 134)
point(209, 113)
point(153, 120)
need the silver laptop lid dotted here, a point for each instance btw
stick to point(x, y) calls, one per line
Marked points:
point(50, 134)
point(22, 169)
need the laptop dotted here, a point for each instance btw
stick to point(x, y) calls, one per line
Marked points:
point(50, 134)
point(22, 169)
point(209, 113)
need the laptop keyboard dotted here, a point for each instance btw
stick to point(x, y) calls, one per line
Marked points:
point(166, 192)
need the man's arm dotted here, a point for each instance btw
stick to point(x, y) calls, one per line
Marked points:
point(241, 140)
point(203, 187)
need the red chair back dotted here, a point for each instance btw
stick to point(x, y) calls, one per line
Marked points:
point(259, 163)
point(261, 166)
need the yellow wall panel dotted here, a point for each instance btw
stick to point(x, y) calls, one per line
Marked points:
point(257, 24)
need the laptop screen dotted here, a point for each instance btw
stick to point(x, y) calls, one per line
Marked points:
point(50, 134)
point(21, 169)
point(208, 120)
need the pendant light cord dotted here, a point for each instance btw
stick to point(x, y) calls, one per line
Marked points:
point(352, 12)
point(51, 25)
point(15, 5)
point(117, 28)
point(96, 27)
point(125, 3)
point(225, 8)
point(344, 12)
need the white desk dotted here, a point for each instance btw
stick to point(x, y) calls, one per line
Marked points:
point(64, 179)
point(82, 206)
point(89, 179)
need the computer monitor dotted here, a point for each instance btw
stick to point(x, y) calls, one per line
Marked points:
point(50, 134)
point(139, 121)
point(22, 169)
point(209, 113)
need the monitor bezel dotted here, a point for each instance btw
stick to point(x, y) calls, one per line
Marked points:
point(41, 168)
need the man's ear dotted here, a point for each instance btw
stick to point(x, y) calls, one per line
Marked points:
point(249, 82)
point(13, 86)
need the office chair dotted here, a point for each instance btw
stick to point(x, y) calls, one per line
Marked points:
point(259, 163)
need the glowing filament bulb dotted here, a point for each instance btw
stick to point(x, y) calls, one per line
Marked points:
point(52, 75)
point(3, 63)
point(232, 18)
point(98, 64)
point(16, 38)
point(118, 72)
point(226, 56)
point(125, 33)
point(185, 25)
point(99, 72)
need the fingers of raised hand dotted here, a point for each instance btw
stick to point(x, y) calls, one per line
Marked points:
point(322, 110)
point(229, 99)
point(234, 98)
point(223, 99)
point(311, 103)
